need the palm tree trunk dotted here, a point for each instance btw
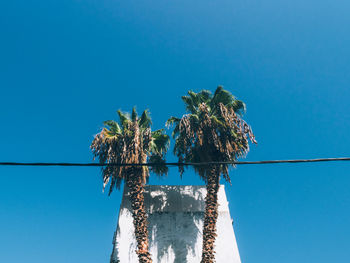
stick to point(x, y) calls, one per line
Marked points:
point(210, 216)
point(135, 185)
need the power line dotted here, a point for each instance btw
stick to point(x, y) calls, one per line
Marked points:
point(174, 163)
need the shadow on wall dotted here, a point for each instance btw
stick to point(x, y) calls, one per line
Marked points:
point(175, 221)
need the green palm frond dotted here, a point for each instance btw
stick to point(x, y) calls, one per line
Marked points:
point(160, 168)
point(204, 96)
point(195, 98)
point(175, 131)
point(221, 96)
point(160, 141)
point(217, 121)
point(124, 118)
point(112, 127)
point(239, 107)
point(157, 133)
point(190, 105)
point(109, 133)
point(145, 120)
point(158, 148)
point(194, 119)
point(134, 114)
point(172, 120)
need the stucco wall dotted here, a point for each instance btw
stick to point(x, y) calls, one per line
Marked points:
point(175, 226)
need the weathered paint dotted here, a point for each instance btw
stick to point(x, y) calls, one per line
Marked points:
point(175, 226)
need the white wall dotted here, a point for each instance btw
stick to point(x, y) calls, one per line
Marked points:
point(175, 226)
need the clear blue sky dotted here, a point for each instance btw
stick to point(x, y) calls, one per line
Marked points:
point(66, 66)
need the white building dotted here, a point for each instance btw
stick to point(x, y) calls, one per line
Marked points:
point(175, 226)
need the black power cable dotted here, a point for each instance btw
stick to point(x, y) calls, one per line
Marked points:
point(175, 163)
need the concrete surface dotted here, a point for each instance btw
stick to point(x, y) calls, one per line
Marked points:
point(175, 226)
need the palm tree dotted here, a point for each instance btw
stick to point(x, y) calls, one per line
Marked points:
point(212, 131)
point(130, 142)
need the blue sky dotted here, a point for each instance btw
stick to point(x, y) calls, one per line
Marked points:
point(66, 66)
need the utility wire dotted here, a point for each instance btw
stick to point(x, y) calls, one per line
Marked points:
point(176, 163)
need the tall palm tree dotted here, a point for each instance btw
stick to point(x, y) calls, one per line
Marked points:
point(212, 131)
point(130, 142)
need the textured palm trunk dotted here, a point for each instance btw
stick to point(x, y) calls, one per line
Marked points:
point(210, 216)
point(134, 182)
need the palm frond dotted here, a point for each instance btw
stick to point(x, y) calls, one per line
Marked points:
point(113, 127)
point(159, 169)
point(221, 96)
point(190, 105)
point(195, 98)
point(204, 96)
point(172, 120)
point(124, 118)
point(160, 141)
point(145, 120)
point(217, 121)
point(134, 114)
point(239, 107)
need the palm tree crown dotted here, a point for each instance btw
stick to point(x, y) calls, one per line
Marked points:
point(212, 131)
point(129, 141)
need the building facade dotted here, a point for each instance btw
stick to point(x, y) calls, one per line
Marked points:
point(175, 226)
